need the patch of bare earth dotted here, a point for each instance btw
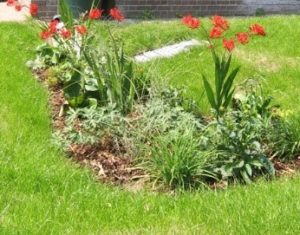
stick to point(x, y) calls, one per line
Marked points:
point(287, 169)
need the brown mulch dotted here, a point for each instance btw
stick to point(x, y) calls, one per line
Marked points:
point(108, 164)
point(287, 168)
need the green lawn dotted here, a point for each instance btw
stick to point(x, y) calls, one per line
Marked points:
point(42, 192)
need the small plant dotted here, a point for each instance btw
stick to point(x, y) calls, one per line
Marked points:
point(163, 112)
point(238, 137)
point(221, 93)
point(176, 160)
point(91, 125)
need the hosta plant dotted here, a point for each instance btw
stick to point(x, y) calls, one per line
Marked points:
point(220, 94)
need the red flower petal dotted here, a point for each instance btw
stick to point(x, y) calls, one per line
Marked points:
point(33, 9)
point(228, 44)
point(242, 38)
point(116, 14)
point(191, 22)
point(258, 29)
point(95, 14)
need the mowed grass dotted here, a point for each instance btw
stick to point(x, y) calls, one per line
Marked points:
point(42, 192)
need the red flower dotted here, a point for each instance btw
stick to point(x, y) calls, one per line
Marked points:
point(220, 22)
point(95, 14)
point(81, 29)
point(242, 38)
point(216, 32)
point(33, 9)
point(10, 2)
point(44, 35)
point(66, 33)
point(257, 29)
point(18, 7)
point(186, 19)
point(228, 44)
point(191, 21)
point(116, 14)
point(53, 26)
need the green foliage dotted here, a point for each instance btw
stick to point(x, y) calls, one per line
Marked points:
point(65, 13)
point(163, 113)
point(246, 137)
point(47, 56)
point(147, 15)
point(220, 97)
point(260, 12)
point(283, 140)
point(114, 80)
point(91, 125)
point(237, 138)
point(176, 160)
point(121, 81)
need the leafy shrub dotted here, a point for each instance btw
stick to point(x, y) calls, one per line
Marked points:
point(161, 113)
point(90, 125)
point(46, 56)
point(237, 139)
point(246, 138)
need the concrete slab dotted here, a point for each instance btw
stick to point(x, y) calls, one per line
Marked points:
point(10, 14)
point(169, 51)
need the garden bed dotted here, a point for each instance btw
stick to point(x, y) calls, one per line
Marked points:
point(111, 164)
point(112, 115)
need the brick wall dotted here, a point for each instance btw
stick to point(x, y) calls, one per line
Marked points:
point(173, 8)
point(47, 8)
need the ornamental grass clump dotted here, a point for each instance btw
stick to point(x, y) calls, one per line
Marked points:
point(220, 94)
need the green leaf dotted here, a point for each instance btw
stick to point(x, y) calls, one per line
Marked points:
point(228, 99)
point(72, 88)
point(248, 169)
point(268, 165)
point(245, 177)
point(209, 93)
point(66, 13)
point(226, 66)
point(218, 79)
point(229, 82)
